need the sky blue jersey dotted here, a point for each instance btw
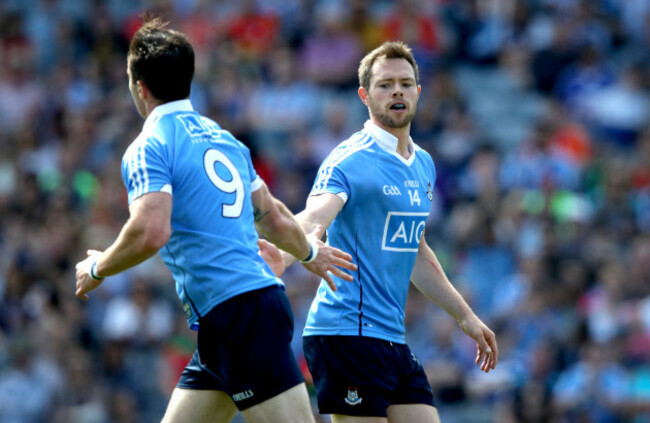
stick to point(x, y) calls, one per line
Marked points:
point(212, 252)
point(387, 202)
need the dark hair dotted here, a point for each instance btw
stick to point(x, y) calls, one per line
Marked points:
point(163, 59)
point(388, 50)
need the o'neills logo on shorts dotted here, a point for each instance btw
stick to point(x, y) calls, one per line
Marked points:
point(241, 396)
point(353, 397)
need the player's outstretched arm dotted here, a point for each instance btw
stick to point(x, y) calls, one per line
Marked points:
point(319, 213)
point(147, 231)
point(278, 259)
point(279, 226)
point(429, 278)
point(316, 218)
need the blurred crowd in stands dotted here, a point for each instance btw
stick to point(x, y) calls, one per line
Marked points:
point(536, 113)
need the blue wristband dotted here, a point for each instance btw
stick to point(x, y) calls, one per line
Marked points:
point(313, 250)
point(93, 271)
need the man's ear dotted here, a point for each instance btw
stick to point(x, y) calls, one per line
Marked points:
point(143, 91)
point(363, 95)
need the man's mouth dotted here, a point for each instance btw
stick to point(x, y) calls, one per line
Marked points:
point(398, 106)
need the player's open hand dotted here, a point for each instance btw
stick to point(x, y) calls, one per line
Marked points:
point(85, 283)
point(487, 351)
point(272, 255)
point(330, 261)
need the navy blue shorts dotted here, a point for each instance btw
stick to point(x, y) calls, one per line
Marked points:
point(362, 376)
point(244, 349)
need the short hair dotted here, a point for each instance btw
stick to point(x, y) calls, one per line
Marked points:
point(388, 50)
point(163, 59)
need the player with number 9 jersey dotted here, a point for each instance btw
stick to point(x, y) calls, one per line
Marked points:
point(195, 198)
point(212, 251)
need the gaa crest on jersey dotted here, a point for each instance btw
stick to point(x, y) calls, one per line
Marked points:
point(429, 191)
point(353, 397)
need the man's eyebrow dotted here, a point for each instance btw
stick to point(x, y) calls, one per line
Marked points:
point(409, 78)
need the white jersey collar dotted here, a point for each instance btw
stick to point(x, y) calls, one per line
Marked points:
point(167, 108)
point(388, 141)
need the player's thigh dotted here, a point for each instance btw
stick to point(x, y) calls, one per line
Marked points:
point(412, 413)
point(291, 406)
point(399, 413)
point(199, 406)
point(338, 418)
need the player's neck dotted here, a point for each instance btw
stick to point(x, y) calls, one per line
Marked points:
point(404, 146)
point(150, 104)
point(403, 136)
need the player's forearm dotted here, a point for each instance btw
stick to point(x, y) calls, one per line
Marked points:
point(321, 210)
point(430, 279)
point(135, 244)
point(281, 228)
point(308, 227)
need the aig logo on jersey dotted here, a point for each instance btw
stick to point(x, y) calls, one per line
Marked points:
point(403, 230)
point(196, 126)
point(391, 190)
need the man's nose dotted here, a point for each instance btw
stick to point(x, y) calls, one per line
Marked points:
point(398, 92)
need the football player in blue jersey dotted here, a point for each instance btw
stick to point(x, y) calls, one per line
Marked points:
point(195, 197)
point(373, 194)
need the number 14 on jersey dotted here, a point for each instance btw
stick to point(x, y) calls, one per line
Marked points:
point(414, 196)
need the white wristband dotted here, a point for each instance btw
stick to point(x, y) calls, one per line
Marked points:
point(313, 249)
point(93, 271)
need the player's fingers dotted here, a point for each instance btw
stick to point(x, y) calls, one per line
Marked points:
point(341, 254)
point(487, 363)
point(486, 360)
point(495, 349)
point(479, 355)
point(341, 274)
point(481, 358)
point(80, 294)
point(329, 281)
point(491, 341)
point(490, 363)
point(482, 343)
point(493, 360)
point(493, 363)
point(345, 264)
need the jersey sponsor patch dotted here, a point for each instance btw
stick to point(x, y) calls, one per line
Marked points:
point(403, 230)
point(196, 126)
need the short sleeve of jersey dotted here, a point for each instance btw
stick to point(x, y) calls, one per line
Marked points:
point(331, 179)
point(146, 168)
point(256, 181)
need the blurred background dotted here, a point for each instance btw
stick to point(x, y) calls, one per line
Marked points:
point(536, 115)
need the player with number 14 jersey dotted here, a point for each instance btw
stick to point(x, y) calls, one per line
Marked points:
point(387, 199)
